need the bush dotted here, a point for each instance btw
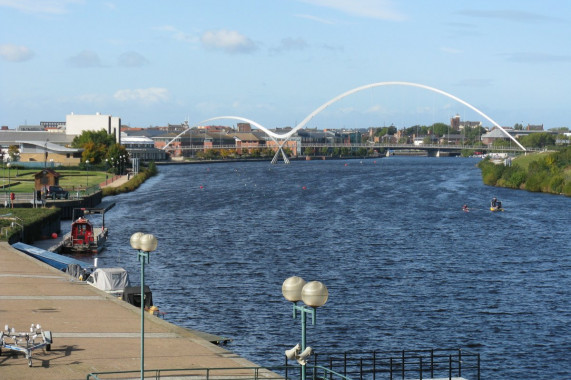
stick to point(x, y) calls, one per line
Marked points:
point(133, 183)
point(535, 182)
point(556, 184)
point(513, 177)
point(491, 172)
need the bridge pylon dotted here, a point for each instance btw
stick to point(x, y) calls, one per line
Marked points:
point(277, 155)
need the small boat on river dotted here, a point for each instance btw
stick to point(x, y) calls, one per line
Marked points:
point(496, 205)
point(84, 237)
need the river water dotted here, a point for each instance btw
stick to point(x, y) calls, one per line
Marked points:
point(406, 268)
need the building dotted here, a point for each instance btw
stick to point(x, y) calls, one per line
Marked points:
point(142, 148)
point(75, 125)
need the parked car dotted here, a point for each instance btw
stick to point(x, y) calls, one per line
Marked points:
point(56, 192)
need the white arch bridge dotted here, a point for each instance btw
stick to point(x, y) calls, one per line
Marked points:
point(281, 139)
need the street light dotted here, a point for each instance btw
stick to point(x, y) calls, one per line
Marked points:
point(9, 181)
point(86, 174)
point(144, 244)
point(313, 294)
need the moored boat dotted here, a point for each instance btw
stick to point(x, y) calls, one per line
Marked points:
point(84, 237)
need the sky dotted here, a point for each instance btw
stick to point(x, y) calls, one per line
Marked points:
point(155, 62)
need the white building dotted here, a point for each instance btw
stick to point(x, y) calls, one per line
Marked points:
point(143, 148)
point(76, 124)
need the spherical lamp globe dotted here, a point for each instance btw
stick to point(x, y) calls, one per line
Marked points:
point(136, 240)
point(148, 243)
point(291, 288)
point(314, 294)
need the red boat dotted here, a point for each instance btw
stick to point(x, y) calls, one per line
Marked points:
point(84, 237)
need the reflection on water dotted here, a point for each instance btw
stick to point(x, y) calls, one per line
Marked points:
point(405, 267)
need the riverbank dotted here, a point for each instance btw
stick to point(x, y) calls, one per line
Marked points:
point(540, 172)
point(92, 331)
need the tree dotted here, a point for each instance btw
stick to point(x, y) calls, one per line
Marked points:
point(14, 152)
point(537, 140)
point(440, 129)
point(96, 145)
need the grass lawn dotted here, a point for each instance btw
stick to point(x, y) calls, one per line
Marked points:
point(22, 180)
point(523, 161)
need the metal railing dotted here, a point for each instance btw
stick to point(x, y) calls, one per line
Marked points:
point(31, 197)
point(417, 364)
point(233, 373)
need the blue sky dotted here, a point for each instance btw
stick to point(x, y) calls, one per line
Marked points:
point(275, 61)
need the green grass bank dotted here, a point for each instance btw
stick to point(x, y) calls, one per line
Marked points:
point(540, 172)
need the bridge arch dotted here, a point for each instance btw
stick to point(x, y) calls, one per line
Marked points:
point(283, 138)
point(411, 84)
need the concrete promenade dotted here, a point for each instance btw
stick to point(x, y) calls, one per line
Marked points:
point(92, 331)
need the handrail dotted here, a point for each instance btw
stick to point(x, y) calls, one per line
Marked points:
point(235, 373)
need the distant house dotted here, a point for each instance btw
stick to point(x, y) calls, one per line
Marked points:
point(454, 139)
point(46, 177)
point(495, 134)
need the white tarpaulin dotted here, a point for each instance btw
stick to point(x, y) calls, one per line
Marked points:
point(109, 279)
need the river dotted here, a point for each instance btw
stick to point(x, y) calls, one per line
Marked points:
point(406, 268)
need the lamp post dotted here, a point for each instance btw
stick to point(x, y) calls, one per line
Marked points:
point(9, 181)
point(86, 174)
point(313, 294)
point(144, 244)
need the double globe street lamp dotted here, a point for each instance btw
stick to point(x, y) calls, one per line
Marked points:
point(144, 244)
point(313, 294)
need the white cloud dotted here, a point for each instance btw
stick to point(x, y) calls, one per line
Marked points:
point(14, 53)
point(177, 34)
point(143, 95)
point(376, 109)
point(318, 19)
point(290, 44)
point(376, 9)
point(132, 59)
point(229, 41)
point(86, 58)
point(40, 6)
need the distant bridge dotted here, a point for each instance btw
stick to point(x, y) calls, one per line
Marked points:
point(431, 148)
point(282, 139)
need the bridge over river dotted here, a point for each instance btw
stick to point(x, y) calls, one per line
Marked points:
point(430, 149)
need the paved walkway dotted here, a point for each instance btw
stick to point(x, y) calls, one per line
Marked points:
point(115, 182)
point(92, 331)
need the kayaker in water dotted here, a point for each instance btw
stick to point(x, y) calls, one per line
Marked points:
point(465, 208)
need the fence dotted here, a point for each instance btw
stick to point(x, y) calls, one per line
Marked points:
point(32, 198)
point(417, 364)
point(239, 373)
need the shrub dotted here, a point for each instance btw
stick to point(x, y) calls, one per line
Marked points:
point(556, 184)
point(133, 183)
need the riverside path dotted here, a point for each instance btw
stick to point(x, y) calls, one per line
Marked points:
point(92, 331)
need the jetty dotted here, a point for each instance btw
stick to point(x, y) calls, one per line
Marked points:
point(92, 331)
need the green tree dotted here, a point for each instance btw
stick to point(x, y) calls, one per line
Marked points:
point(14, 152)
point(537, 140)
point(95, 144)
point(440, 129)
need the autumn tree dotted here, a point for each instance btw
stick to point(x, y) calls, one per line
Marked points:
point(95, 144)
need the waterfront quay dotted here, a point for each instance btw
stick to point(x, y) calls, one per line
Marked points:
point(92, 331)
